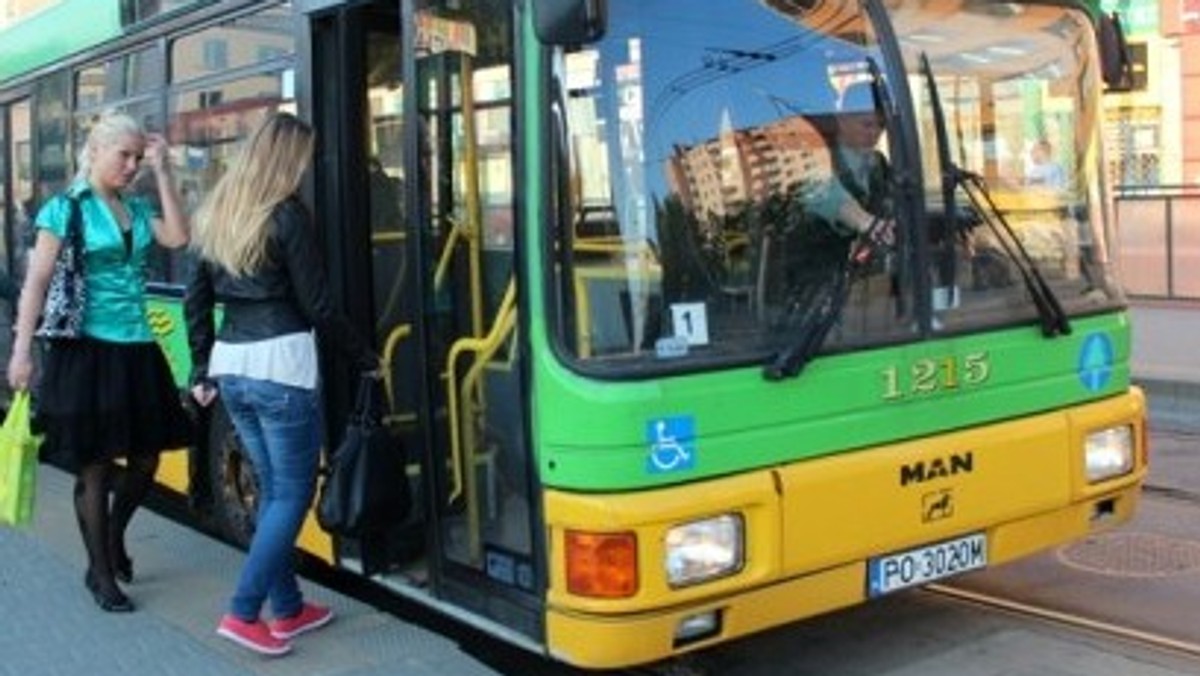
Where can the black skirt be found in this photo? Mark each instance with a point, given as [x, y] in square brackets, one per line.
[99, 400]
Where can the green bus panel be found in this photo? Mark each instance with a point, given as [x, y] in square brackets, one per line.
[170, 330]
[62, 29]
[627, 435]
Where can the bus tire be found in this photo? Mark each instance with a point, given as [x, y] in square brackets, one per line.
[235, 490]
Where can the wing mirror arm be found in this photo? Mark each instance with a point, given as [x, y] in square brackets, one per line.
[1116, 63]
[570, 22]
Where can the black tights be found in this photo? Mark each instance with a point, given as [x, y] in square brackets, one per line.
[103, 525]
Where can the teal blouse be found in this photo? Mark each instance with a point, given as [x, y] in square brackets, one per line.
[116, 302]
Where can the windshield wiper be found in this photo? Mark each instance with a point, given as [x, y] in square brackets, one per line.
[813, 311]
[1050, 312]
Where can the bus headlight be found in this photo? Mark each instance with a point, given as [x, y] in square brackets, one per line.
[1108, 453]
[703, 550]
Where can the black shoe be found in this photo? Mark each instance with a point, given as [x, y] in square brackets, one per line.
[113, 601]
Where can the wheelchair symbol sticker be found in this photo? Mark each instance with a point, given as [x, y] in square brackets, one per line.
[671, 444]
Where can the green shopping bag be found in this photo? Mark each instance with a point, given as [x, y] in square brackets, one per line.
[18, 464]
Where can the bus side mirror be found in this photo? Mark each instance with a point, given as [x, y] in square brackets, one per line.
[570, 22]
[1116, 64]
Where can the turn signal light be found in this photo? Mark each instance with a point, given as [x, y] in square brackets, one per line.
[601, 565]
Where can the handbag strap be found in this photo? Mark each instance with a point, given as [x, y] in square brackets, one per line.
[74, 232]
[366, 400]
[364, 413]
[17, 420]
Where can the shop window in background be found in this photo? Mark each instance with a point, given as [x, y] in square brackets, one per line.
[1139, 77]
[1132, 146]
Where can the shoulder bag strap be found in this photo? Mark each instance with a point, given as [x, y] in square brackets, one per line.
[74, 231]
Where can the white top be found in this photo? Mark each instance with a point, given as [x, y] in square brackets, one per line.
[290, 359]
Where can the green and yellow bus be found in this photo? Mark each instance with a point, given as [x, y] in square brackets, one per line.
[651, 396]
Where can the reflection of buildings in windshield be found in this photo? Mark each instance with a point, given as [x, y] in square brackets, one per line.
[743, 166]
[817, 13]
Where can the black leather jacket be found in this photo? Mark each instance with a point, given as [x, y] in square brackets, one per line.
[289, 293]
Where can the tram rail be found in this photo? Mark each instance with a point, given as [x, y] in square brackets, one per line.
[1145, 639]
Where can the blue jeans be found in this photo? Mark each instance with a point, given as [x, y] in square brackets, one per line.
[280, 428]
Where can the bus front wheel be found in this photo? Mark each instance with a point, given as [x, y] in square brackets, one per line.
[235, 490]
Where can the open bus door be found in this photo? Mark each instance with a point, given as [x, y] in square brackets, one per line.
[419, 179]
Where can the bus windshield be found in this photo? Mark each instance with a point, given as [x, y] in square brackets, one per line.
[1019, 93]
[729, 180]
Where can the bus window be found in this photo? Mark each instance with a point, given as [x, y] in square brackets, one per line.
[21, 180]
[117, 79]
[246, 42]
[130, 83]
[1018, 97]
[52, 97]
[136, 11]
[208, 120]
[7, 284]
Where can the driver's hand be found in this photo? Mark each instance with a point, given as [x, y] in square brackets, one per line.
[883, 233]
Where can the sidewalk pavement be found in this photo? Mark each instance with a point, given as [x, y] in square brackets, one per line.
[182, 581]
[1166, 363]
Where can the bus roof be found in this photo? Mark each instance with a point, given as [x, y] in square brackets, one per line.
[71, 26]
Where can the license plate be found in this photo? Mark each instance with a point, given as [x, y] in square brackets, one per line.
[925, 564]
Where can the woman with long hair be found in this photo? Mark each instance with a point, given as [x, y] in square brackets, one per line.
[109, 393]
[259, 258]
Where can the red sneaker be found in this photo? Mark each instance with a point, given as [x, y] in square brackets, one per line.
[253, 635]
[311, 616]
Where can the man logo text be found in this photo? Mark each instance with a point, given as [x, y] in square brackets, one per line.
[937, 468]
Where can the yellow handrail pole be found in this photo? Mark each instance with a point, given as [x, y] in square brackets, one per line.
[452, 404]
[473, 408]
[400, 332]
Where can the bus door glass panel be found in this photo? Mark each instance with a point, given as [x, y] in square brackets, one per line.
[464, 65]
[395, 305]
[1019, 88]
[706, 177]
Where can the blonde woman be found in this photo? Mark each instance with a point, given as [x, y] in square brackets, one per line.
[259, 258]
[108, 394]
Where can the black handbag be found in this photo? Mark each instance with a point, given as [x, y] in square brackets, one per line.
[365, 489]
[66, 295]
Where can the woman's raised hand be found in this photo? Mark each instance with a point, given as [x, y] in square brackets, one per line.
[157, 152]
